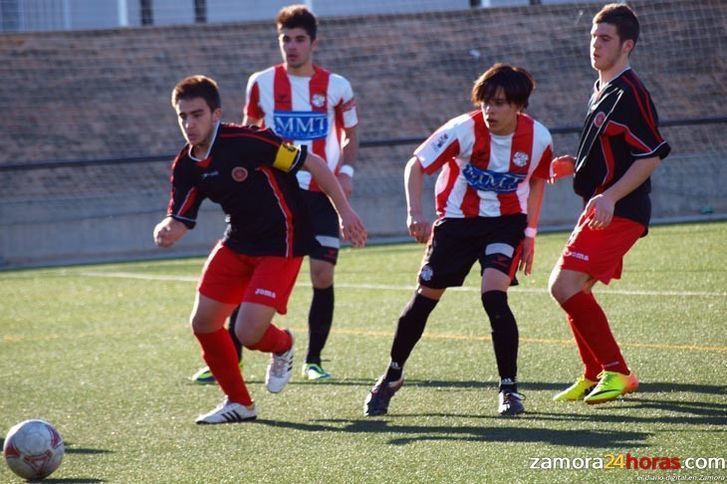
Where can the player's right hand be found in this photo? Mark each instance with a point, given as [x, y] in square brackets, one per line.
[168, 231]
[561, 167]
[419, 227]
[352, 228]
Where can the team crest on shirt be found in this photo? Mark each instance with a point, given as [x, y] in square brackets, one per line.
[599, 119]
[520, 159]
[239, 174]
[318, 100]
[426, 273]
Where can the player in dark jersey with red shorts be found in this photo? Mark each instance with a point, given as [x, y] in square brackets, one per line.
[620, 147]
[250, 173]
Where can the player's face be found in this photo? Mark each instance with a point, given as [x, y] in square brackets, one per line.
[296, 47]
[500, 115]
[607, 50]
[197, 120]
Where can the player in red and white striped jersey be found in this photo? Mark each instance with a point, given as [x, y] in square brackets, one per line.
[309, 106]
[494, 162]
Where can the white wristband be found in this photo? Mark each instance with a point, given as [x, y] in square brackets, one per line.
[346, 170]
[531, 232]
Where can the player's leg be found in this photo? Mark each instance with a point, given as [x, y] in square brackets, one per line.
[590, 256]
[447, 261]
[219, 292]
[267, 293]
[499, 260]
[323, 258]
[204, 375]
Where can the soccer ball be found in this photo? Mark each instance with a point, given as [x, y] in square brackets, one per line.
[33, 449]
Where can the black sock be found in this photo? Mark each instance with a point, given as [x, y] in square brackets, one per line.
[231, 329]
[320, 319]
[504, 336]
[409, 330]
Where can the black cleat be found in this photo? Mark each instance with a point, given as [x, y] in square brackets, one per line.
[510, 403]
[377, 401]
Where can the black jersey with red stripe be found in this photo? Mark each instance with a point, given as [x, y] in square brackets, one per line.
[621, 127]
[250, 173]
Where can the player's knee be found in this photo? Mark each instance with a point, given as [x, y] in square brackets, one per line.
[498, 311]
[321, 275]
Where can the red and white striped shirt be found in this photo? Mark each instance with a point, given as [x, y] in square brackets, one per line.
[310, 111]
[483, 174]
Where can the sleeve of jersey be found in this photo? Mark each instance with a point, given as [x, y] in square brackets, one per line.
[185, 199]
[438, 149]
[347, 105]
[543, 168]
[638, 116]
[252, 99]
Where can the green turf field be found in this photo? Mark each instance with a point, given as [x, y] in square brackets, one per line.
[104, 352]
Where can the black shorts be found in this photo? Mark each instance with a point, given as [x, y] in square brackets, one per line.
[324, 220]
[456, 244]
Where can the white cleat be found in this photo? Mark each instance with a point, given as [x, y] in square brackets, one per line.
[228, 412]
[280, 368]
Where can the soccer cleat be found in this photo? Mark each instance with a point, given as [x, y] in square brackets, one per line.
[510, 403]
[204, 375]
[377, 401]
[314, 372]
[577, 391]
[611, 386]
[228, 412]
[280, 369]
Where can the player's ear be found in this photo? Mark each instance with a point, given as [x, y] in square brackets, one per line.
[627, 46]
[217, 114]
[314, 44]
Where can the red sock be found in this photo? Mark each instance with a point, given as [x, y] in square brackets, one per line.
[591, 323]
[219, 353]
[275, 340]
[592, 368]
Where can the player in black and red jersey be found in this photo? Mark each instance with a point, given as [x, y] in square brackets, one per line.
[620, 147]
[250, 173]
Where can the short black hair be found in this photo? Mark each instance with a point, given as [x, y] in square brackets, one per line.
[516, 82]
[197, 86]
[622, 17]
[294, 16]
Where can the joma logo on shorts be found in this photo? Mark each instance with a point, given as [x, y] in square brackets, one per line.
[265, 292]
[576, 255]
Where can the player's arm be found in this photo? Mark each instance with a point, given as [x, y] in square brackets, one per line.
[601, 206]
[419, 227]
[535, 202]
[350, 154]
[168, 231]
[352, 227]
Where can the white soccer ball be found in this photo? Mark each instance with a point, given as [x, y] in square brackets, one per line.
[33, 449]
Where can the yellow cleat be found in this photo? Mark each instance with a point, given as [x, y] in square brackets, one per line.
[577, 391]
[611, 386]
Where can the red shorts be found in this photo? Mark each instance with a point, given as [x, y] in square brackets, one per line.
[232, 278]
[599, 253]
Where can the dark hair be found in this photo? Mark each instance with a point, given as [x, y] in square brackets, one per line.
[516, 82]
[294, 16]
[622, 17]
[197, 86]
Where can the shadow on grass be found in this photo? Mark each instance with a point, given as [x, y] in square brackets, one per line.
[407, 434]
[649, 387]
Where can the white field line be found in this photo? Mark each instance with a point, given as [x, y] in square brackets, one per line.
[393, 287]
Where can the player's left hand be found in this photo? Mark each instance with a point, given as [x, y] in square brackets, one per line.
[599, 210]
[346, 184]
[353, 229]
[561, 167]
[526, 260]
